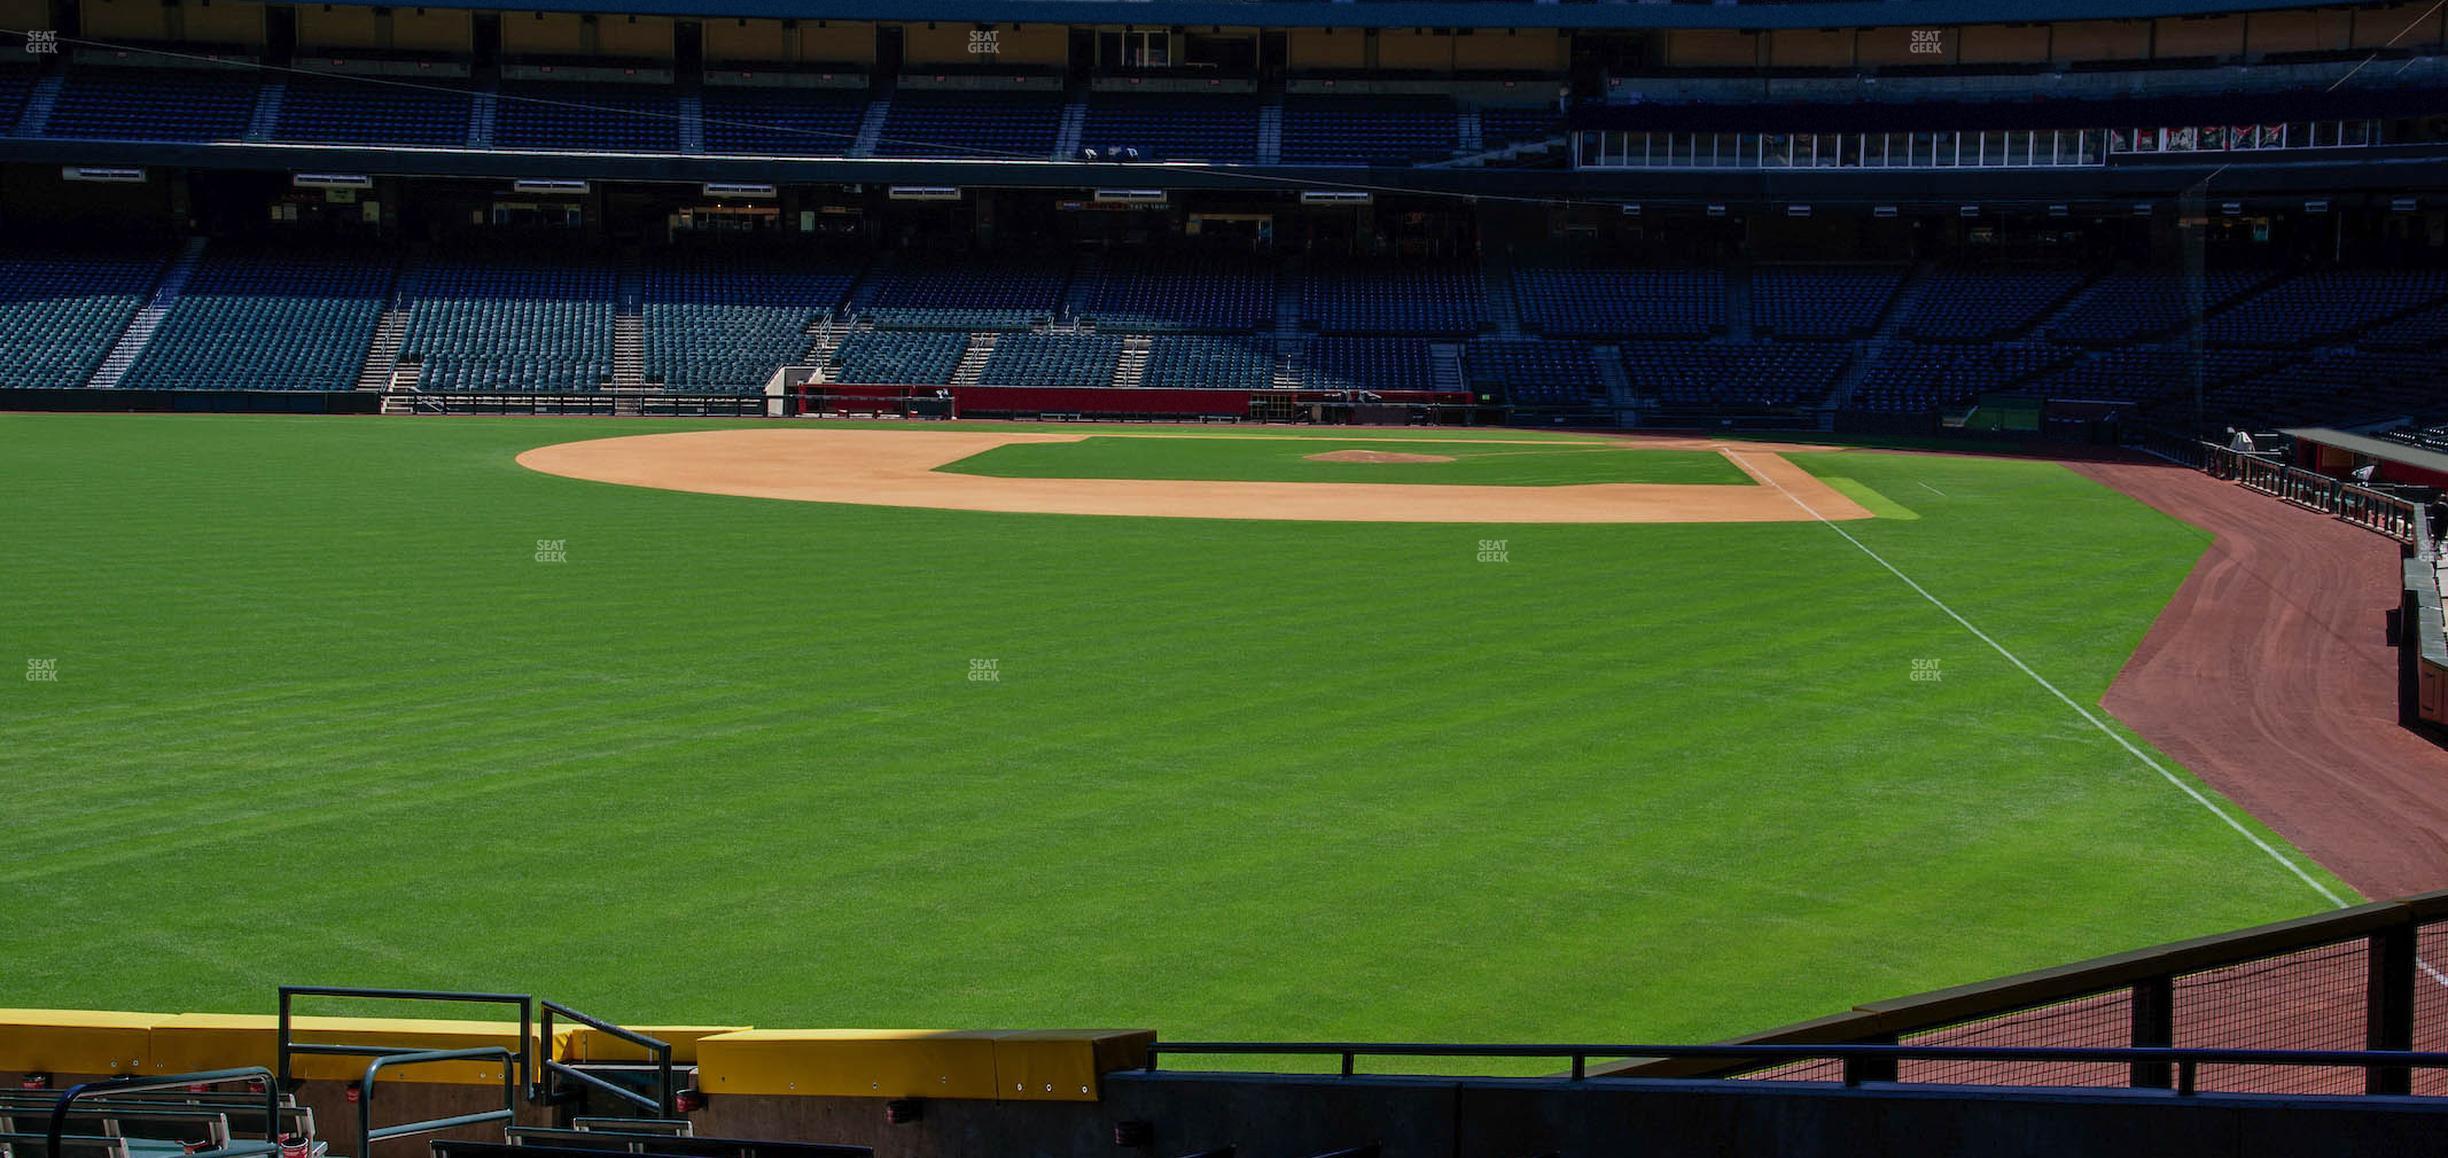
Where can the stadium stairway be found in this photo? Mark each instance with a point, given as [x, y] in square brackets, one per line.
[692, 123]
[871, 127]
[147, 320]
[381, 363]
[824, 333]
[1130, 370]
[973, 357]
[1738, 301]
[1087, 276]
[629, 324]
[1471, 131]
[1617, 379]
[1270, 133]
[1901, 308]
[1445, 367]
[1074, 126]
[380, 367]
[1503, 308]
[40, 100]
[268, 99]
[482, 112]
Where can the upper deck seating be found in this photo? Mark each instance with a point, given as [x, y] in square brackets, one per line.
[1335, 130]
[590, 117]
[1221, 129]
[154, 104]
[981, 125]
[368, 112]
[791, 122]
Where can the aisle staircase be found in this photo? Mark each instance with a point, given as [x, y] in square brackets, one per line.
[1074, 127]
[973, 357]
[140, 329]
[1131, 369]
[268, 100]
[1270, 134]
[40, 100]
[871, 127]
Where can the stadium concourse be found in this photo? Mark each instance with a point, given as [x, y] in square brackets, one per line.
[1773, 320]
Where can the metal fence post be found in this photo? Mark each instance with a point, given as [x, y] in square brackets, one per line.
[1871, 1069]
[2154, 1025]
[2388, 1006]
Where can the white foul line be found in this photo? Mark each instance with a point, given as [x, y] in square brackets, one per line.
[1924, 486]
[2065, 699]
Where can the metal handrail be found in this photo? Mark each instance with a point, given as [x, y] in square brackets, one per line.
[289, 1047]
[130, 1084]
[662, 1105]
[367, 1135]
[2186, 1060]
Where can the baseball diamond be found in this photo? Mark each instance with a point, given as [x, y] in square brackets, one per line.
[1418, 579]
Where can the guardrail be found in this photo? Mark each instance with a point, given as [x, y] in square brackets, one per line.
[290, 1046]
[662, 1105]
[2351, 976]
[127, 1084]
[2267, 472]
[2187, 1063]
[367, 1134]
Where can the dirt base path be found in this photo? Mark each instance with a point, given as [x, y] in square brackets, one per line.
[2269, 675]
[896, 468]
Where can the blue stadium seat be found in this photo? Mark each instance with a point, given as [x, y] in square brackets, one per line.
[373, 112]
[1368, 364]
[63, 308]
[154, 104]
[279, 315]
[1394, 297]
[593, 117]
[1613, 302]
[1031, 359]
[1333, 130]
[1203, 362]
[724, 318]
[897, 357]
[1533, 372]
[1174, 126]
[504, 322]
[790, 122]
[1212, 291]
[991, 125]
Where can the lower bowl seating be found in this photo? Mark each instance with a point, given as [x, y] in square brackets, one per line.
[897, 357]
[63, 308]
[323, 303]
[1052, 360]
[1200, 362]
[511, 324]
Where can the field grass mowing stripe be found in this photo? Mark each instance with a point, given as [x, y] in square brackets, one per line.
[2067, 700]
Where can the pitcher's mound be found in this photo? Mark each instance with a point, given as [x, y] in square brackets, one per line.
[1375, 456]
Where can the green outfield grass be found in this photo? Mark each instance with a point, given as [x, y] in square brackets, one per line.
[321, 715]
[1245, 459]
